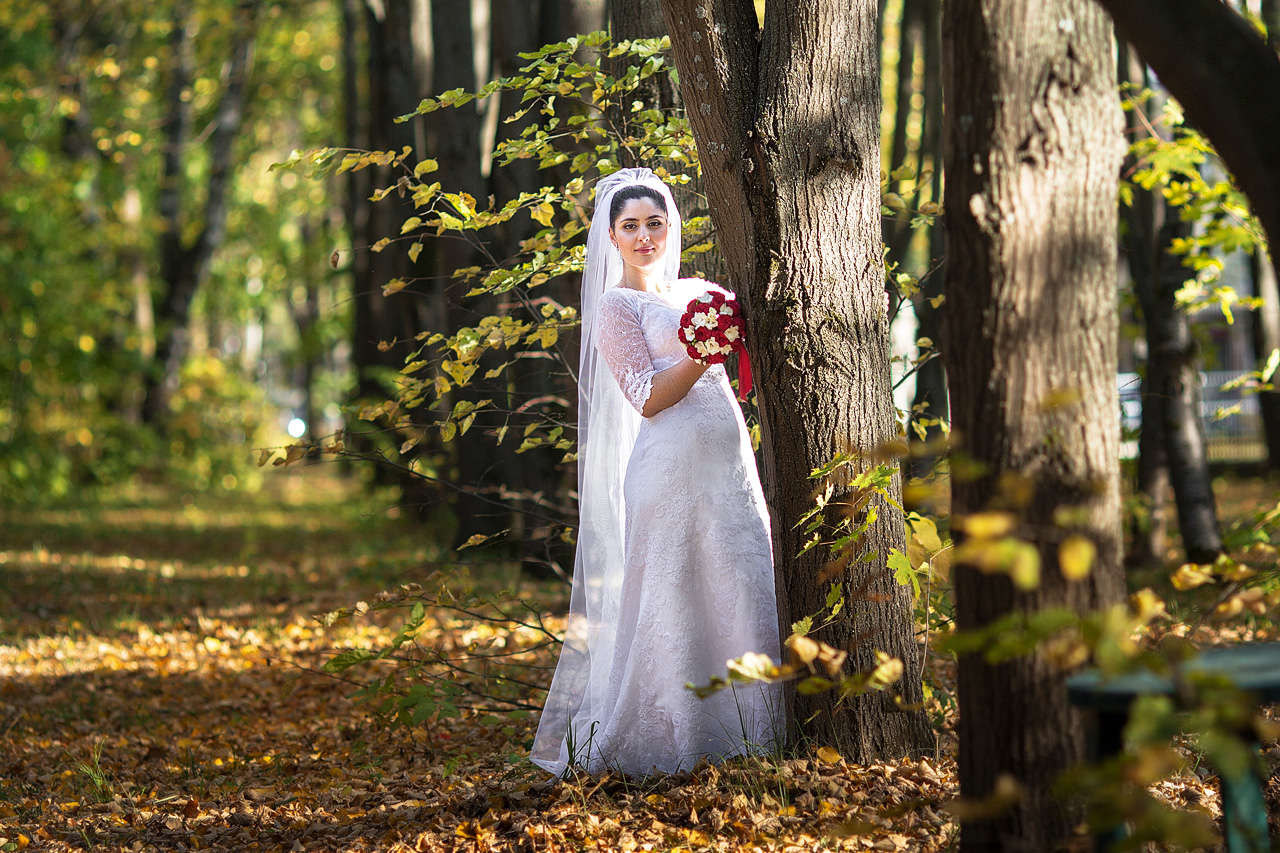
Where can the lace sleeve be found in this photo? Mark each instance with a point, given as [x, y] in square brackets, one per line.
[621, 342]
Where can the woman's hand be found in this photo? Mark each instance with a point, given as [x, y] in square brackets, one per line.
[671, 385]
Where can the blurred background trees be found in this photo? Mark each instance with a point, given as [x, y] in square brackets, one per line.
[168, 303]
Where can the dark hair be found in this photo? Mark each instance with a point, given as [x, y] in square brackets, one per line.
[631, 193]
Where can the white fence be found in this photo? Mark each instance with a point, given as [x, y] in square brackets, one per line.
[1232, 419]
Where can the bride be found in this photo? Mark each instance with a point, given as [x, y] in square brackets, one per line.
[674, 571]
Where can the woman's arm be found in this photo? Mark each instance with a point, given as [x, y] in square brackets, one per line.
[671, 385]
[622, 344]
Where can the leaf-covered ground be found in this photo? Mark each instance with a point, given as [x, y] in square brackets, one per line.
[159, 691]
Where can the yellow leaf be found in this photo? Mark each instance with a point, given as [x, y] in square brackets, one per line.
[1189, 576]
[425, 167]
[394, 286]
[828, 755]
[803, 649]
[1025, 569]
[989, 525]
[414, 251]
[1146, 605]
[543, 213]
[888, 671]
[754, 666]
[1075, 557]
[926, 533]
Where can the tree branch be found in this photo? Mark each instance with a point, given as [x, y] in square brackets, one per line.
[1226, 78]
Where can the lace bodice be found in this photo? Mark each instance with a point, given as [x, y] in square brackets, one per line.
[638, 335]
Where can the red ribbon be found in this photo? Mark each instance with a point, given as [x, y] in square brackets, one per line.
[744, 374]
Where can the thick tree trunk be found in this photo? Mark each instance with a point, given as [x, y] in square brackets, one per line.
[787, 123]
[1226, 78]
[183, 265]
[1032, 151]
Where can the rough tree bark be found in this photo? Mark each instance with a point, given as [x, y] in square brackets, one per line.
[183, 264]
[786, 119]
[1033, 149]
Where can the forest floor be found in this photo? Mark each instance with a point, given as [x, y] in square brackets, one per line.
[160, 691]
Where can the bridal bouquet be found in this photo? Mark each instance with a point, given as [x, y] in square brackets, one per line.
[711, 328]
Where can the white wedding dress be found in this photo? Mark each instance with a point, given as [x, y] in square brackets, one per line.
[697, 587]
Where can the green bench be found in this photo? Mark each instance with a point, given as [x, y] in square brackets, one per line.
[1253, 668]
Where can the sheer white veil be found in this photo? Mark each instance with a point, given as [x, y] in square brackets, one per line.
[607, 428]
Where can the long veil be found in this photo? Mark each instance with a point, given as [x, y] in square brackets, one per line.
[607, 429]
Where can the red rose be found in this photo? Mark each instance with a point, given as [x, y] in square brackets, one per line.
[702, 333]
[723, 322]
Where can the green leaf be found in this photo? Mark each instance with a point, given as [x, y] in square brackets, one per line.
[346, 659]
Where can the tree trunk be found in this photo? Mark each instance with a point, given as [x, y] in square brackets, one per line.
[1226, 78]
[1151, 539]
[787, 119]
[897, 228]
[453, 138]
[1033, 148]
[183, 265]
[931, 379]
[1174, 376]
[1266, 339]
[1266, 320]
[1173, 450]
[386, 87]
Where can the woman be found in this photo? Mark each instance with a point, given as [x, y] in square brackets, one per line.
[674, 573]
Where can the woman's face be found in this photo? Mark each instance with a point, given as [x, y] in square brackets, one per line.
[640, 233]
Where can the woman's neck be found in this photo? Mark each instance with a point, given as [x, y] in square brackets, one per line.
[650, 280]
